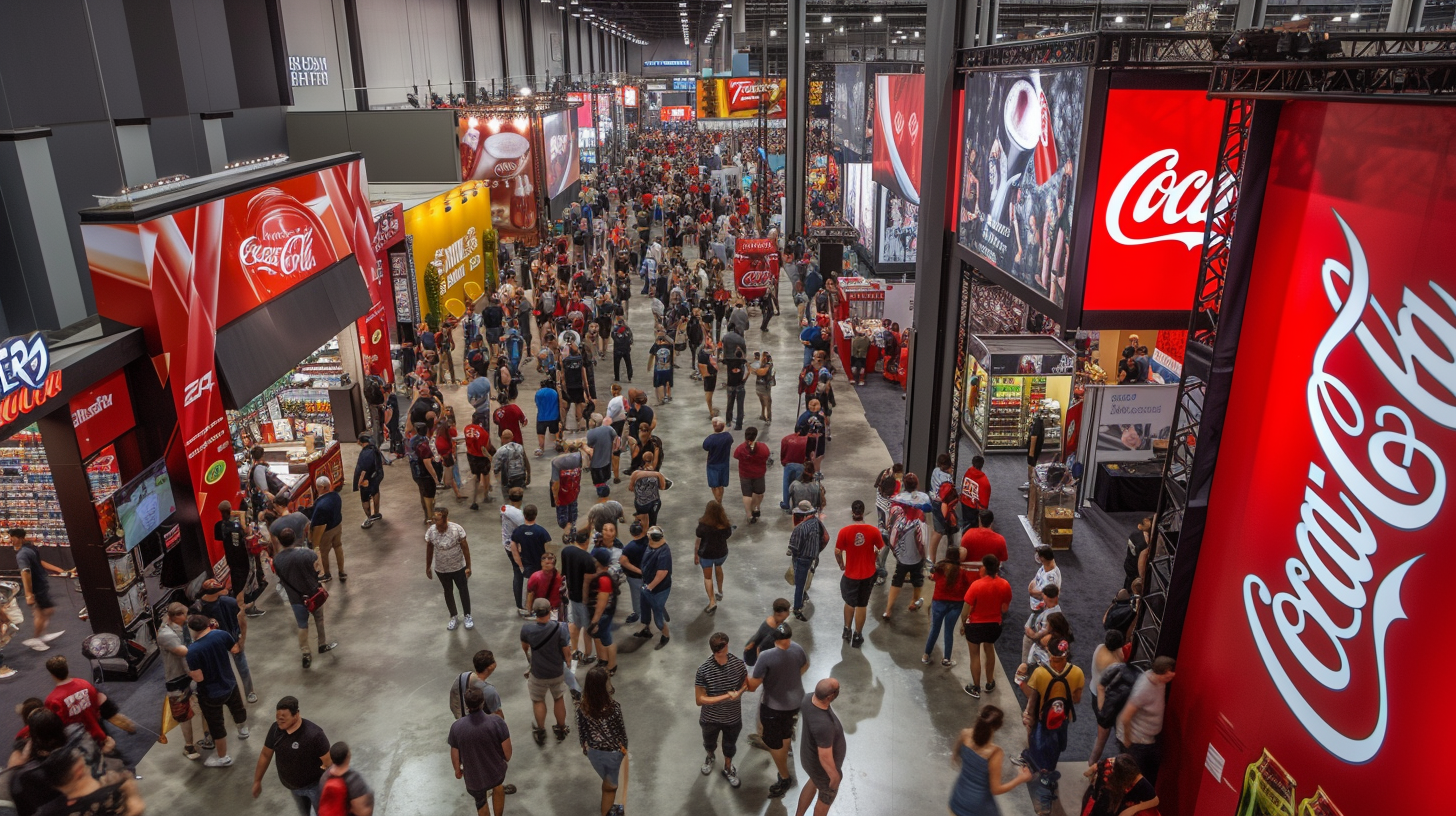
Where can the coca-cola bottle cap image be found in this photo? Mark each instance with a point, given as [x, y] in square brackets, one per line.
[284, 243]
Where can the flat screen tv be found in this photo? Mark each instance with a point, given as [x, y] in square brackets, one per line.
[144, 503]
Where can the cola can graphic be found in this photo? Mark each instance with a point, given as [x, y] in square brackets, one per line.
[1044, 160]
[286, 242]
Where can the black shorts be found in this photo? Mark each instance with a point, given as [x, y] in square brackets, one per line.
[981, 632]
[912, 571]
[479, 465]
[857, 362]
[601, 475]
[778, 726]
[620, 428]
[427, 487]
[856, 591]
[710, 383]
[43, 600]
[368, 492]
[575, 396]
[551, 426]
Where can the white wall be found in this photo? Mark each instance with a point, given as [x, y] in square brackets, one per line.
[408, 44]
[515, 40]
[315, 28]
[485, 37]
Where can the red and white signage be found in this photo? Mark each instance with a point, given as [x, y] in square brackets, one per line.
[101, 413]
[1320, 590]
[1154, 186]
[676, 113]
[627, 96]
[899, 115]
[755, 266]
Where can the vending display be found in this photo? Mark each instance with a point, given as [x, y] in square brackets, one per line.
[1268, 790]
[27, 491]
[294, 408]
[1009, 380]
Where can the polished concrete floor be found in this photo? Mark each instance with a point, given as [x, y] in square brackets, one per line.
[384, 690]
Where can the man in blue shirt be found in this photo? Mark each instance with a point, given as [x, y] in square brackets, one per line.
[809, 336]
[719, 445]
[227, 616]
[326, 527]
[548, 416]
[208, 666]
[528, 542]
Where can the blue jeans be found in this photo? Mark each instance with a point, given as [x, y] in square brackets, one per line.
[1043, 751]
[307, 799]
[656, 603]
[241, 659]
[792, 473]
[943, 613]
[634, 588]
[518, 582]
[801, 580]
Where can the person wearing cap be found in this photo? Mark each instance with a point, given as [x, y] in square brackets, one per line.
[1052, 691]
[779, 672]
[227, 615]
[631, 563]
[231, 531]
[601, 600]
[812, 424]
[907, 542]
[805, 543]
[656, 584]
[548, 649]
[172, 640]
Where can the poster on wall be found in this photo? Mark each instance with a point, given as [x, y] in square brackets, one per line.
[676, 113]
[181, 277]
[860, 200]
[1323, 565]
[497, 152]
[563, 168]
[1023, 132]
[447, 230]
[846, 128]
[899, 113]
[899, 225]
[1130, 418]
[584, 108]
[1154, 184]
[738, 98]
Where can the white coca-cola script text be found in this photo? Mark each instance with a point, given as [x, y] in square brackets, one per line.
[1180, 201]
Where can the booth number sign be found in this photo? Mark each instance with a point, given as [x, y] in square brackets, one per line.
[304, 71]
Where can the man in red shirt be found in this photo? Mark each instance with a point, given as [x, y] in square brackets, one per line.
[986, 603]
[76, 701]
[545, 583]
[975, 493]
[478, 452]
[856, 548]
[982, 541]
[792, 450]
[752, 457]
[510, 417]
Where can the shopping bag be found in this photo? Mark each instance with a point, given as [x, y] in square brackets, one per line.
[168, 721]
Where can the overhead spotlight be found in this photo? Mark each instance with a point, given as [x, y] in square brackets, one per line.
[899, 33]
[1296, 18]
[917, 34]
[1117, 19]
[999, 36]
[878, 18]
[1355, 16]
[525, 91]
[1167, 25]
[841, 29]
[1337, 19]
[827, 19]
[773, 32]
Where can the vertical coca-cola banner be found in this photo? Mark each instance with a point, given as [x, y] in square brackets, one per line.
[181, 277]
[900, 111]
[1319, 591]
[755, 266]
[1022, 136]
[1154, 182]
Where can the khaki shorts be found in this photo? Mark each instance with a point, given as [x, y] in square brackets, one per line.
[538, 689]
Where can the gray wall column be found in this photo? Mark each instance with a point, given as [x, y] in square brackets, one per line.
[928, 412]
[1250, 14]
[1405, 15]
[39, 287]
[134, 143]
[216, 143]
[798, 102]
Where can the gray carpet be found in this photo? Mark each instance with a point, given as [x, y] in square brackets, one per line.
[884, 407]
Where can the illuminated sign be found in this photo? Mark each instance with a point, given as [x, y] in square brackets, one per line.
[667, 64]
[24, 363]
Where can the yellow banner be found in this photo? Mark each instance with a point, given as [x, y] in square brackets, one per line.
[450, 229]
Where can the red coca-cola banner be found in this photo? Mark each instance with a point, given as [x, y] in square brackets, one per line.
[101, 413]
[755, 266]
[180, 277]
[1153, 189]
[1319, 594]
[676, 113]
[900, 111]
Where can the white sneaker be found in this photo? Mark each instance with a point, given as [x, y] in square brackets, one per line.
[452, 624]
[36, 644]
[52, 636]
[469, 622]
[243, 732]
[6, 672]
[218, 762]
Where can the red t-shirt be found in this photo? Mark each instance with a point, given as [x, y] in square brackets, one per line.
[752, 464]
[859, 543]
[986, 598]
[476, 437]
[511, 418]
[75, 701]
[975, 489]
[545, 586]
[948, 591]
[792, 448]
[979, 541]
[743, 206]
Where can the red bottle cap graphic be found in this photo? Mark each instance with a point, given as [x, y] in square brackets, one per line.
[286, 242]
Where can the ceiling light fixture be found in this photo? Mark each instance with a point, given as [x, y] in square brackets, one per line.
[878, 18]
[1167, 25]
[773, 32]
[1117, 19]
[1355, 16]
[827, 19]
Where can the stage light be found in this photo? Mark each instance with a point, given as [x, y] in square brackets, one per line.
[878, 18]
[827, 19]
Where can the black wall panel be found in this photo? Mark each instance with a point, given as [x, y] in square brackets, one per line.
[254, 60]
[47, 46]
[255, 132]
[179, 146]
[158, 67]
[86, 165]
[114, 53]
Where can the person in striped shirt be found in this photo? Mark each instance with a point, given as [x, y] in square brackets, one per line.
[719, 684]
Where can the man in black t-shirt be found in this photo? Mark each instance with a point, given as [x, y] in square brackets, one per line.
[230, 532]
[576, 564]
[736, 375]
[424, 404]
[1135, 560]
[573, 370]
[302, 751]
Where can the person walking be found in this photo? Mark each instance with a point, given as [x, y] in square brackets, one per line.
[753, 461]
[343, 790]
[483, 665]
[325, 528]
[1141, 722]
[603, 588]
[631, 563]
[511, 464]
[548, 649]
[719, 445]
[297, 569]
[577, 564]
[601, 445]
[621, 347]
[946, 601]
[1106, 662]
[793, 455]
[808, 488]
[303, 754]
[172, 640]
[478, 453]
[602, 733]
[821, 748]
[548, 417]
[855, 548]
[907, 541]
[717, 687]
[986, 601]
[779, 671]
[710, 550]
[1118, 788]
[227, 615]
[231, 531]
[980, 762]
[209, 667]
[368, 476]
[762, 369]
[33, 577]
[566, 484]
[1052, 692]
[735, 380]
[807, 540]
[707, 359]
[480, 751]
[656, 585]
[647, 484]
[447, 553]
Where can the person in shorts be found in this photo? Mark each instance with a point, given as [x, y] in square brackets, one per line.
[856, 548]
[822, 729]
[548, 650]
[172, 640]
[779, 670]
[480, 749]
[987, 600]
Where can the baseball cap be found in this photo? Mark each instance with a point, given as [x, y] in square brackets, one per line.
[540, 607]
[212, 585]
[603, 490]
[783, 632]
[804, 508]
[655, 533]
[602, 555]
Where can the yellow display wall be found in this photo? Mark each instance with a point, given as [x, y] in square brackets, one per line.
[451, 228]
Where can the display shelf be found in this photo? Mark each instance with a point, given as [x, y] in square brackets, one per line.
[27, 490]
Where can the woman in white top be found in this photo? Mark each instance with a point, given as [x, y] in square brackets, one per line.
[447, 555]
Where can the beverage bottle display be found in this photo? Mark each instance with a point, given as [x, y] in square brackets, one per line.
[469, 149]
[1268, 790]
[1318, 805]
[1045, 157]
[523, 203]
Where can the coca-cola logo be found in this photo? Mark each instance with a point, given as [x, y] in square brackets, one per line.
[1374, 469]
[755, 279]
[1153, 192]
[280, 248]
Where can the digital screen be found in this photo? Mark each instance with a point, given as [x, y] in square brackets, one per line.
[144, 503]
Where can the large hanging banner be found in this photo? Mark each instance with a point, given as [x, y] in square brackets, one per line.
[448, 231]
[497, 151]
[755, 266]
[183, 276]
[900, 109]
[738, 98]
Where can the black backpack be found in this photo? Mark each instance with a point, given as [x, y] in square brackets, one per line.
[374, 389]
[1053, 707]
[1117, 683]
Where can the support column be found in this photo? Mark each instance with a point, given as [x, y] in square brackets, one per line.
[356, 54]
[929, 414]
[40, 287]
[530, 41]
[798, 120]
[467, 50]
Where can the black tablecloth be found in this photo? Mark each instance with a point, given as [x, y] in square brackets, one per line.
[1120, 490]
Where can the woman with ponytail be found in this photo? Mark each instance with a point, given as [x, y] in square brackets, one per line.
[980, 762]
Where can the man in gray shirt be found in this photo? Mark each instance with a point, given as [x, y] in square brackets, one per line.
[296, 521]
[780, 672]
[732, 345]
[172, 640]
[822, 747]
[546, 645]
[1141, 719]
[601, 440]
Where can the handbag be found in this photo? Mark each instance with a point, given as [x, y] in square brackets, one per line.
[310, 602]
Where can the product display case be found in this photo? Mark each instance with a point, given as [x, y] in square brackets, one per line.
[294, 407]
[1009, 379]
[28, 493]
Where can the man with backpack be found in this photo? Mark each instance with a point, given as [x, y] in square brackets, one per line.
[368, 474]
[421, 458]
[548, 650]
[621, 348]
[511, 463]
[343, 791]
[1052, 693]
[603, 588]
[374, 396]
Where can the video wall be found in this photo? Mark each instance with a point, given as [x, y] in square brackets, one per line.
[563, 165]
[847, 126]
[899, 225]
[860, 201]
[1022, 137]
[898, 136]
[497, 151]
[738, 98]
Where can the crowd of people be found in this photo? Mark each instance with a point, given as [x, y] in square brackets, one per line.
[594, 564]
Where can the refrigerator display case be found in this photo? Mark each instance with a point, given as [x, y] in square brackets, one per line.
[1008, 380]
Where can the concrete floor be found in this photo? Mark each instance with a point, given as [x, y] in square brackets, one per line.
[384, 690]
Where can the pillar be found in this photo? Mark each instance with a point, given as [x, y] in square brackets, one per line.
[798, 120]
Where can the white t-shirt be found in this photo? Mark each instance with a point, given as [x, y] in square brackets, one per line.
[511, 518]
[1042, 579]
[1146, 722]
[449, 557]
[616, 410]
